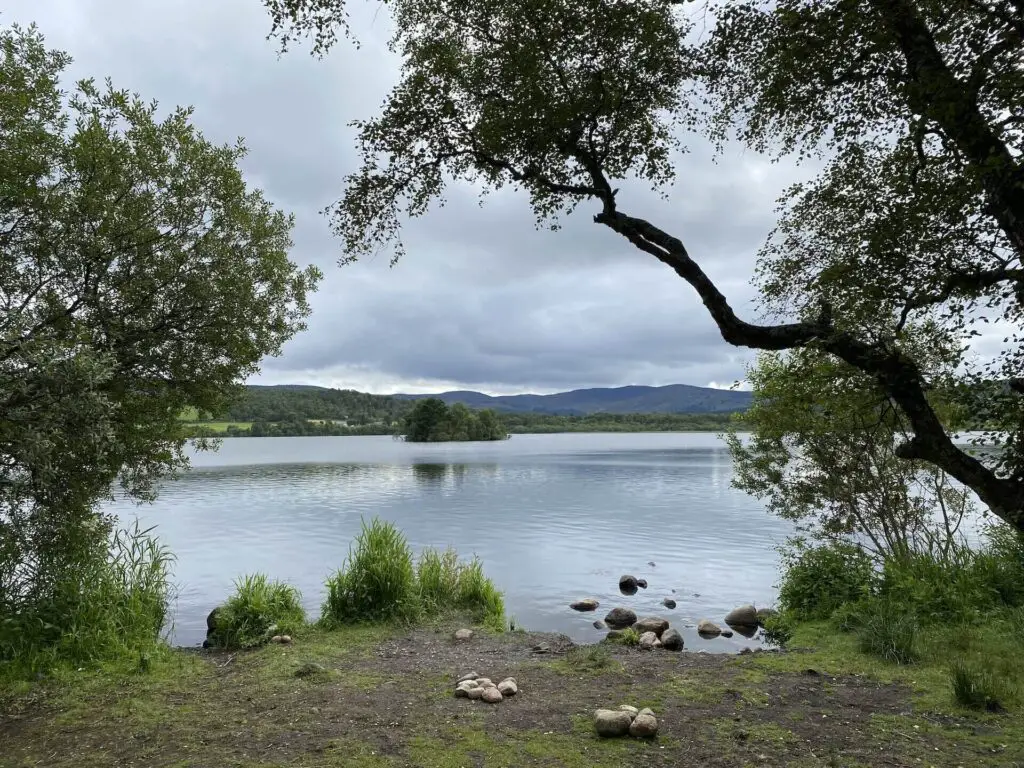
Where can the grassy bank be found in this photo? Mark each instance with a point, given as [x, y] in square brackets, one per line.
[381, 696]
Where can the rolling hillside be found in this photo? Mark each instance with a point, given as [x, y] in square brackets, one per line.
[675, 398]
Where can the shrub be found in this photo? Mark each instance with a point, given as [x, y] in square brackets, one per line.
[778, 629]
[380, 583]
[976, 687]
[109, 605]
[818, 580]
[259, 609]
[889, 633]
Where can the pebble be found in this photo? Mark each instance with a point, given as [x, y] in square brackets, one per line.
[463, 635]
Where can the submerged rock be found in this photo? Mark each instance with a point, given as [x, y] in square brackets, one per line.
[726, 633]
[743, 616]
[628, 585]
[642, 583]
[598, 624]
[745, 631]
[587, 604]
[611, 722]
[671, 640]
[651, 624]
[668, 602]
[620, 618]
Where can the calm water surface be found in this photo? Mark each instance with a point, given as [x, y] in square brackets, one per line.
[555, 518]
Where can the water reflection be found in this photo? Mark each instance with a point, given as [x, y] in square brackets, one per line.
[554, 518]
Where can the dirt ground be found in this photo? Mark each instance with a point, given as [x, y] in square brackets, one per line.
[386, 699]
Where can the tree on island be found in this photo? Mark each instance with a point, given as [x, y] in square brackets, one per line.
[140, 277]
[917, 219]
[432, 421]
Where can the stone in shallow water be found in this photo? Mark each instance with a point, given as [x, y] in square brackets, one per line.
[620, 618]
[628, 585]
[707, 628]
[651, 624]
[588, 604]
[668, 602]
[743, 616]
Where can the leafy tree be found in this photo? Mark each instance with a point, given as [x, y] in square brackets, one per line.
[919, 216]
[139, 276]
[822, 453]
[432, 421]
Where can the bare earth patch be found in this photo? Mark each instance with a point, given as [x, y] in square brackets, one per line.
[385, 698]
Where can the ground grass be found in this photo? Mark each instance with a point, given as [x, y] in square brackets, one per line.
[219, 426]
[383, 700]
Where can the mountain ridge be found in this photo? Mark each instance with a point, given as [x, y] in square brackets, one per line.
[672, 398]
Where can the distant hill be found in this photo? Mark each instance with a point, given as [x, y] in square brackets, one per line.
[674, 398]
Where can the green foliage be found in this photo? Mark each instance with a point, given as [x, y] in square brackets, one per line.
[259, 609]
[589, 658]
[890, 632]
[102, 608]
[819, 580]
[380, 582]
[432, 421]
[823, 453]
[140, 276]
[377, 581]
[976, 686]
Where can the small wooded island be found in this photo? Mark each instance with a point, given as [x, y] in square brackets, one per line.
[432, 421]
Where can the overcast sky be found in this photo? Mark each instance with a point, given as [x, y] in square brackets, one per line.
[483, 300]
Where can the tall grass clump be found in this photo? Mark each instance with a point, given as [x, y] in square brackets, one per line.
[259, 609]
[976, 686]
[106, 604]
[890, 633]
[381, 581]
[377, 581]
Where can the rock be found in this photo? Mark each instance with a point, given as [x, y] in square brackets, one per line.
[463, 689]
[651, 624]
[726, 633]
[462, 635]
[650, 563]
[475, 692]
[644, 726]
[211, 620]
[763, 614]
[541, 648]
[598, 624]
[628, 585]
[484, 681]
[668, 602]
[646, 711]
[647, 641]
[744, 616]
[587, 604]
[657, 643]
[612, 722]
[491, 695]
[671, 640]
[309, 669]
[633, 711]
[508, 687]
[745, 651]
[642, 583]
[286, 639]
[707, 628]
[469, 676]
[620, 618]
[614, 635]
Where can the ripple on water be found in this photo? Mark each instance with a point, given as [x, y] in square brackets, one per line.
[553, 517]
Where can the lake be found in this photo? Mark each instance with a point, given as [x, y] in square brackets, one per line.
[555, 518]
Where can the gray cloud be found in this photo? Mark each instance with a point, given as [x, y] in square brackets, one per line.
[483, 298]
